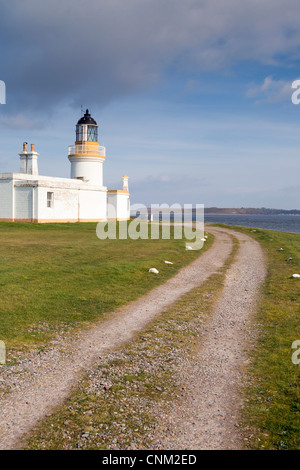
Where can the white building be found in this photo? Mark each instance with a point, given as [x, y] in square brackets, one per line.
[28, 197]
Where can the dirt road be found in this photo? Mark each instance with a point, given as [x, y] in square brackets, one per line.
[210, 415]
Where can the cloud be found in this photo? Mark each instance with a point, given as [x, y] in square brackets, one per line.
[69, 51]
[271, 91]
[19, 121]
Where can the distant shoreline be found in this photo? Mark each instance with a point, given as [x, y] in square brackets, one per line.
[229, 211]
[250, 211]
[287, 213]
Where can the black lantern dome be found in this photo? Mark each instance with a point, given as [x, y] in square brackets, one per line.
[87, 128]
[87, 119]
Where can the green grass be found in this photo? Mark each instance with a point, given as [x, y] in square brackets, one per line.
[57, 276]
[271, 416]
[272, 410]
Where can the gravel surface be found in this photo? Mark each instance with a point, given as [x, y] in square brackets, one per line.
[208, 420]
[41, 382]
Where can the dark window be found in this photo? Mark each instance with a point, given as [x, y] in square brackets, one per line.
[50, 199]
[92, 134]
[79, 136]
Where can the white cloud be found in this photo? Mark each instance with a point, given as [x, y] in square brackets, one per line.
[19, 121]
[271, 91]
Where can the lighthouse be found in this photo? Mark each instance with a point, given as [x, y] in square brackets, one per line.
[87, 156]
[28, 196]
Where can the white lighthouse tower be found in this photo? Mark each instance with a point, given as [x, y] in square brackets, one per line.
[87, 156]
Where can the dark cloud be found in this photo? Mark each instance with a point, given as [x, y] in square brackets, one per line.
[70, 51]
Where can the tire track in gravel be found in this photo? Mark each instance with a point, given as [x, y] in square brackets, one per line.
[208, 419]
[45, 380]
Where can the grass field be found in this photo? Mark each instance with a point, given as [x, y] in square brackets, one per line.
[271, 415]
[111, 273]
[57, 276]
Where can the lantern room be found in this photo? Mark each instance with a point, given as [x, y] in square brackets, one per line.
[86, 129]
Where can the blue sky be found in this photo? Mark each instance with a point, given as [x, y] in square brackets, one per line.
[192, 98]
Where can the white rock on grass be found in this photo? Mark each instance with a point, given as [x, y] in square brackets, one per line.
[153, 270]
[295, 275]
[168, 262]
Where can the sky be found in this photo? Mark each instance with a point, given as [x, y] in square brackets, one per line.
[192, 97]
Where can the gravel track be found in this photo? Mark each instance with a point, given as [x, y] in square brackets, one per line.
[208, 420]
[43, 381]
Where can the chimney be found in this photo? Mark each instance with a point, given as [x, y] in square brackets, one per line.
[23, 159]
[125, 183]
[28, 160]
[32, 165]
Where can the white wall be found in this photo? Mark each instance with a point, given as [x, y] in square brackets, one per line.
[72, 204]
[112, 205]
[6, 199]
[65, 204]
[118, 205]
[23, 202]
[123, 209]
[92, 204]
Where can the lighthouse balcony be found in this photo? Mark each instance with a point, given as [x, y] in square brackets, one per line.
[86, 149]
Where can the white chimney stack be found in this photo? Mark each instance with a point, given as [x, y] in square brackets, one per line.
[125, 183]
[28, 161]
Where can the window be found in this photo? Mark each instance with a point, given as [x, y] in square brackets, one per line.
[92, 134]
[79, 133]
[50, 199]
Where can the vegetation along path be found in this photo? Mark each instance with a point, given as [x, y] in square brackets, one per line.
[49, 377]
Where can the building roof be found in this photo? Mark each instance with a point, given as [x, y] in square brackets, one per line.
[87, 119]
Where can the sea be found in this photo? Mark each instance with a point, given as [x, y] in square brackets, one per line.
[283, 223]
